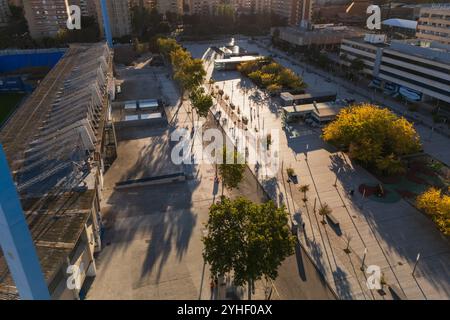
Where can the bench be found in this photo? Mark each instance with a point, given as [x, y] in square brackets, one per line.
[333, 219]
[397, 292]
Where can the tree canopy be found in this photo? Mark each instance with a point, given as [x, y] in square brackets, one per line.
[251, 240]
[267, 73]
[231, 173]
[188, 72]
[375, 137]
[201, 102]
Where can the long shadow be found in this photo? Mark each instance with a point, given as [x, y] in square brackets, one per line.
[161, 215]
[343, 286]
[306, 142]
[270, 185]
[300, 263]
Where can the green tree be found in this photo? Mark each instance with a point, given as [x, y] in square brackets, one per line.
[190, 75]
[251, 240]
[323, 61]
[324, 211]
[231, 173]
[201, 102]
[356, 66]
[304, 188]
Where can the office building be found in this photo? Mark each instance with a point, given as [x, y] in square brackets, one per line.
[415, 69]
[368, 50]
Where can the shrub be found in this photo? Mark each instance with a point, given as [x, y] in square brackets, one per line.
[436, 204]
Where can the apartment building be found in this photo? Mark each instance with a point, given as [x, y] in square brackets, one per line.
[119, 17]
[297, 12]
[289, 9]
[46, 18]
[4, 12]
[434, 23]
[200, 7]
[262, 6]
[174, 6]
[149, 4]
[415, 69]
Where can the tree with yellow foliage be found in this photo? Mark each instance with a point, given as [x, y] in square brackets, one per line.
[166, 46]
[374, 136]
[437, 205]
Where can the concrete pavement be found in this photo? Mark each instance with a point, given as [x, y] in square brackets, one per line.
[393, 234]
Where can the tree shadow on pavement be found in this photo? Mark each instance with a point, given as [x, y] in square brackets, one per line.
[342, 285]
[300, 263]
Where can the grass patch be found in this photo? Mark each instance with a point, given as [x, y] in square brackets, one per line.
[8, 102]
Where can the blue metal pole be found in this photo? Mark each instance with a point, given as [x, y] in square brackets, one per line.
[106, 23]
[16, 242]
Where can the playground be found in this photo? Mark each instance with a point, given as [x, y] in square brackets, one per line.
[420, 175]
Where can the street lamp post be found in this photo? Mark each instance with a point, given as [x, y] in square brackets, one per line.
[415, 264]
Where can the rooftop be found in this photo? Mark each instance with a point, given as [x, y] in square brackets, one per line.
[49, 144]
[323, 109]
[54, 132]
[55, 226]
[239, 59]
[400, 23]
[424, 49]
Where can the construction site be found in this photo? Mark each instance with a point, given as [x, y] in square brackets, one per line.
[58, 145]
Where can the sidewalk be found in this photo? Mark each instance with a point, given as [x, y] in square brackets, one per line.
[393, 234]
